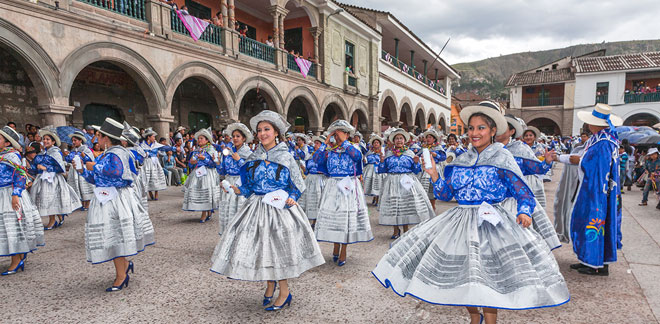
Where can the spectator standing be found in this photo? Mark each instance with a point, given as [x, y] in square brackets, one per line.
[652, 168]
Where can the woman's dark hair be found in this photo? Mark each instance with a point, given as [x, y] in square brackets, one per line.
[280, 137]
[112, 140]
[452, 136]
[489, 121]
[511, 127]
[51, 137]
[529, 130]
[240, 132]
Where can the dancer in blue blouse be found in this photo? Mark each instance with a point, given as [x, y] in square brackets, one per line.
[477, 254]
[373, 180]
[21, 230]
[453, 146]
[84, 189]
[535, 179]
[430, 140]
[403, 200]
[314, 181]
[117, 226]
[152, 172]
[202, 188]
[269, 238]
[132, 143]
[233, 160]
[50, 192]
[343, 217]
[596, 216]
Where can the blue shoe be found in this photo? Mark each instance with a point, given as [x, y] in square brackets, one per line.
[208, 218]
[130, 267]
[394, 237]
[55, 225]
[335, 257]
[341, 263]
[120, 287]
[287, 302]
[21, 266]
[481, 318]
[267, 300]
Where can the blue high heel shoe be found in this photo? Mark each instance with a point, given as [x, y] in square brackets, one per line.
[55, 225]
[335, 257]
[21, 266]
[341, 263]
[130, 267]
[394, 237]
[287, 302]
[481, 318]
[120, 287]
[267, 300]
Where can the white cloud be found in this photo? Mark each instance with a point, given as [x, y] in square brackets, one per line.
[487, 28]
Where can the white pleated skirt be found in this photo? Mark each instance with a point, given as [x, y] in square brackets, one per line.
[535, 184]
[310, 200]
[399, 206]
[19, 236]
[540, 222]
[56, 198]
[83, 189]
[372, 180]
[230, 203]
[153, 175]
[343, 218]
[202, 193]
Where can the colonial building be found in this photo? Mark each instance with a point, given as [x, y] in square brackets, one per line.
[550, 96]
[78, 61]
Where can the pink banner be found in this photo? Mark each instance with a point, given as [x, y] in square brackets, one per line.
[194, 25]
[304, 66]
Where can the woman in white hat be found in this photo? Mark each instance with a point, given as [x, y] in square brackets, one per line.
[80, 152]
[315, 179]
[535, 180]
[131, 141]
[50, 192]
[343, 216]
[230, 167]
[152, 172]
[117, 225]
[301, 150]
[372, 179]
[530, 166]
[431, 140]
[476, 253]
[596, 216]
[21, 230]
[403, 200]
[202, 188]
[269, 239]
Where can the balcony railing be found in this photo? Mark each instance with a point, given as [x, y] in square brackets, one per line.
[212, 34]
[251, 47]
[641, 97]
[352, 81]
[292, 65]
[601, 98]
[129, 8]
[543, 101]
[412, 72]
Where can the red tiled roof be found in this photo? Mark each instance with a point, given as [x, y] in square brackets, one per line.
[543, 77]
[617, 62]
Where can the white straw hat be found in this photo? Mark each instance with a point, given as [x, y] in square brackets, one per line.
[601, 115]
[490, 109]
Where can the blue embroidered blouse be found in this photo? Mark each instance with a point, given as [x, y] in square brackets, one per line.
[373, 158]
[229, 166]
[108, 172]
[74, 153]
[311, 166]
[153, 148]
[9, 176]
[207, 161]
[46, 160]
[399, 164]
[474, 185]
[345, 160]
[260, 178]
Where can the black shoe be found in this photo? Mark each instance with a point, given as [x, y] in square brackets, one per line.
[657, 206]
[595, 272]
[577, 266]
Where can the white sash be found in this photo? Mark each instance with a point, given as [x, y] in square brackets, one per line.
[200, 172]
[488, 213]
[48, 176]
[346, 185]
[406, 182]
[105, 194]
[276, 198]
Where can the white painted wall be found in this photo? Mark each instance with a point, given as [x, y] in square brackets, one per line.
[515, 97]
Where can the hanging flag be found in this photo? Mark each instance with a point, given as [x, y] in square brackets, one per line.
[304, 66]
[194, 25]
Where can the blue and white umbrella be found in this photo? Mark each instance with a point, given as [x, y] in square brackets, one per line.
[64, 131]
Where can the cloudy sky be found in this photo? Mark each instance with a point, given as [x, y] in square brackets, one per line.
[486, 28]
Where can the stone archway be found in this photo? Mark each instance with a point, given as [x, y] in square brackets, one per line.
[388, 111]
[642, 119]
[334, 107]
[263, 87]
[302, 109]
[432, 120]
[406, 116]
[359, 119]
[420, 118]
[546, 126]
[442, 123]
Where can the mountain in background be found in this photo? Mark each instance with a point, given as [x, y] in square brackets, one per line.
[488, 77]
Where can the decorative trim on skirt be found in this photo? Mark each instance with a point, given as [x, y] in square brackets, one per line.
[54, 198]
[399, 206]
[452, 260]
[310, 200]
[372, 180]
[540, 222]
[153, 175]
[119, 228]
[425, 180]
[17, 237]
[266, 243]
[230, 203]
[202, 193]
[83, 189]
[141, 191]
[343, 218]
[536, 185]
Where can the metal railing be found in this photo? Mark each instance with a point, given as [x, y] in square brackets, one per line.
[542, 101]
[352, 81]
[212, 34]
[405, 68]
[129, 8]
[601, 98]
[641, 97]
[291, 63]
[251, 47]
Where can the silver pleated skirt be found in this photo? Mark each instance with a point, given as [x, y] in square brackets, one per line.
[372, 180]
[266, 243]
[310, 200]
[153, 175]
[399, 206]
[425, 179]
[230, 203]
[540, 222]
[202, 193]
[17, 237]
[119, 228]
[55, 198]
[83, 189]
[141, 191]
[343, 218]
[452, 260]
[535, 183]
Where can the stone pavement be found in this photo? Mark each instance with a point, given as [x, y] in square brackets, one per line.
[172, 282]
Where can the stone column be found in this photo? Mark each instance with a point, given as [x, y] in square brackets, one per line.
[276, 25]
[316, 34]
[230, 11]
[161, 124]
[54, 114]
[223, 12]
[281, 29]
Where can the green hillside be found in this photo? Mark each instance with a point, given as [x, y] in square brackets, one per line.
[488, 77]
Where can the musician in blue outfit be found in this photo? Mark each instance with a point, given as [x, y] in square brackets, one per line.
[269, 239]
[596, 216]
[477, 254]
[117, 225]
[343, 217]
